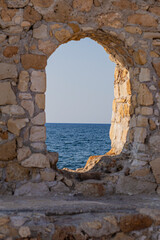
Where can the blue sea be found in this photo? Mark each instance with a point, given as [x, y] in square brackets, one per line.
[75, 143]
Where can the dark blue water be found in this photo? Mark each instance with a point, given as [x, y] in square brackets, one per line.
[75, 143]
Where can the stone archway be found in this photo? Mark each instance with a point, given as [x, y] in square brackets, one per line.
[32, 30]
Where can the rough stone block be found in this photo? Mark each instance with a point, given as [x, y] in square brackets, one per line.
[38, 80]
[15, 172]
[8, 71]
[37, 62]
[36, 160]
[40, 119]
[23, 81]
[15, 125]
[32, 189]
[38, 134]
[7, 95]
[8, 151]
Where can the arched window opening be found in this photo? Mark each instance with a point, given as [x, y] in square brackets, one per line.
[80, 79]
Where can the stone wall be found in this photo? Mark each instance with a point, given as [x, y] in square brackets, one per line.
[31, 30]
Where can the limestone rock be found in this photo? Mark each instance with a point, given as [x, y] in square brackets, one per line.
[41, 32]
[29, 106]
[142, 121]
[15, 125]
[38, 146]
[47, 47]
[40, 101]
[38, 134]
[140, 134]
[90, 188]
[144, 75]
[31, 15]
[145, 97]
[23, 153]
[36, 160]
[83, 5]
[140, 57]
[8, 151]
[38, 80]
[14, 172]
[155, 164]
[132, 186]
[23, 81]
[25, 96]
[135, 222]
[60, 188]
[122, 236]
[53, 159]
[40, 119]
[155, 10]
[17, 3]
[144, 20]
[12, 110]
[8, 71]
[146, 111]
[62, 35]
[133, 29]
[154, 142]
[2, 38]
[152, 125]
[4, 220]
[7, 95]
[10, 51]
[42, 3]
[32, 189]
[157, 67]
[24, 232]
[37, 62]
[48, 175]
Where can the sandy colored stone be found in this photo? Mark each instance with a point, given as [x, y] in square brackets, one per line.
[41, 32]
[157, 67]
[38, 146]
[140, 134]
[8, 71]
[47, 47]
[145, 97]
[24, 232]
[125, 4]
[42, 3]
[146, 111]
[155, 165]
[25, 96]
[37, 62]
[38, 134]
[23, 81]
[140, 57]
[29, 106]
[39, 119]
[151, 35]
[83, 5]
[15, 125]
[10, 51]
[144, 20]
[12, 110]
[142, 121]
[38, 81]
[152, 125]
[8, 151]
[90, 189]
[23, 153]
[31, 15]
[48, 175]
[135, 222]
[4, 220]
[40, 101]
[17, 3]
[2, 37]
[155, 10]
[7, 95]
[14, 39]
[144, 75]
[154, 142]
[7, 14]
[111, 19]
[62, 35]
[141, 173]
[32, 189]
[133, 29]
[122, 236]
[75, 27]
[14, 172]
[37, 160]
[25, 24]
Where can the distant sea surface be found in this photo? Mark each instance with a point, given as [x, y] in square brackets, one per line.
[75, 143]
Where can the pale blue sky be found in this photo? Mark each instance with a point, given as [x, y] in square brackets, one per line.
[80, 80]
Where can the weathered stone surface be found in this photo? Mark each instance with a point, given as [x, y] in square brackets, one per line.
[40, 119]
[40, 101]
[135, 222]
[82, 5]
[8, 71]
[10, 51]
[122, 236]
[8, 151]
[32, 189]
[157, 67]
[146, 111]
[23, 153]
[142, 121]
[7, 95]
[62, 35]
[133, 29]
[60, 187]
[53, 159]
[38, 134]
[152, 125]
[144, 75]
[145, 97]
[37, 62]
[38, 146]
[132, 186]
[111, 19]
[155, 164]
[17, 3]
[155, 10]
[31, 15]
[41, 32]
[14, 172]
[140, 134]
[125, 4]
[29, 106]
[145, 20]
[15, 125]
[24, 232]
[47, 47]
[38, 80]
[7, 14]
[48, 175]
[140, 57]
[90, 188]
[4, 220]
[2, 38]
[13, 110]
[154, 142]
[36, 160]
[23, 81]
